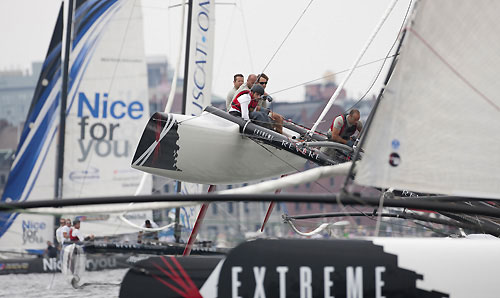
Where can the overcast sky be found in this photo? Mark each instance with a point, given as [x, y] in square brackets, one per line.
[329, 37]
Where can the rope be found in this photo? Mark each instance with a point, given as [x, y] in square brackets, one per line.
[144, 228]
[286, 37]
[341, 86]
[384, 59]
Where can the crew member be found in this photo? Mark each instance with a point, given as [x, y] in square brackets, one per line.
[251, 79]
[277, 119]
[59, 232]
[65, 231]
[246, 101]
[51, 250]
[344, 126]
[145, 235]
[237, 82]
[76, 235]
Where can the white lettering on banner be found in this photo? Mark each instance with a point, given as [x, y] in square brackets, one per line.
[51, 264]
[305, 282]
[54, 264]
[304, 151]
[282, 270]
[263, 134]
[354, 282]
[235, 282]
[327, 280]
[259, 274]
[379, 283]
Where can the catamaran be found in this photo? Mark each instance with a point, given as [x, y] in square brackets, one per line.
[412, 141]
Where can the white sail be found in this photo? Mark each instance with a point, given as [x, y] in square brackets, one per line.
[435, 129]
[107, 109]
[32, 174]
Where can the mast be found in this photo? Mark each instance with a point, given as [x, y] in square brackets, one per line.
[177, 230]
[62, 112]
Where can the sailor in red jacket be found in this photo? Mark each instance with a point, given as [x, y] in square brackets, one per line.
[75, 235]
[246, 101]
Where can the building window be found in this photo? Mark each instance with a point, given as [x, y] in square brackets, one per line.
[297, 206]
[166, 188]
[245, 206]
[214, 208]
[230, 207]
[332, 181]
[309, 207]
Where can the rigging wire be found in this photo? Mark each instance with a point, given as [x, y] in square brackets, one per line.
[222, 53]
[356, 62]
[368, 122]
[402, 216]
[384, 59]
[332, 75]
[286, 37]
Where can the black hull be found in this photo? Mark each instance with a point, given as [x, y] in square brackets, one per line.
[280, 268]
[277, 140]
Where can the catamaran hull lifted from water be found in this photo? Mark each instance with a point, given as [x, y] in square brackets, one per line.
[218, 148]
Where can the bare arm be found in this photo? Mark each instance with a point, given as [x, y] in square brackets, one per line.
[336, 136]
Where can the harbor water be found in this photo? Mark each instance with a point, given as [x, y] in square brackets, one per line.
[104, 283]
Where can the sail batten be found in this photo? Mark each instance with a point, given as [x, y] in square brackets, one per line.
[435, 127]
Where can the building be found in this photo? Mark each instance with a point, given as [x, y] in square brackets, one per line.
[16, 93]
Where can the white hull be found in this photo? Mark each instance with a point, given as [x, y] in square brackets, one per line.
[211, 150]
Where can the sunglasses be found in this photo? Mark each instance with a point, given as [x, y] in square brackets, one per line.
[263, 83]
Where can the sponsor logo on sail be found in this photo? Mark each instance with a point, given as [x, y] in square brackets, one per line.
[84, 176]
[201, 59]
[32, 230]
[99, 123]
[394, 159]
[395, 144]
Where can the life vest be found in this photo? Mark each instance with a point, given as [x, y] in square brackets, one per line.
[345, 131]
[235, 104]
[71, 237]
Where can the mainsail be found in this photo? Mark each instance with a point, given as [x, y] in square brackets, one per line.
[436, 124]
[32, 173]
[107, 108]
